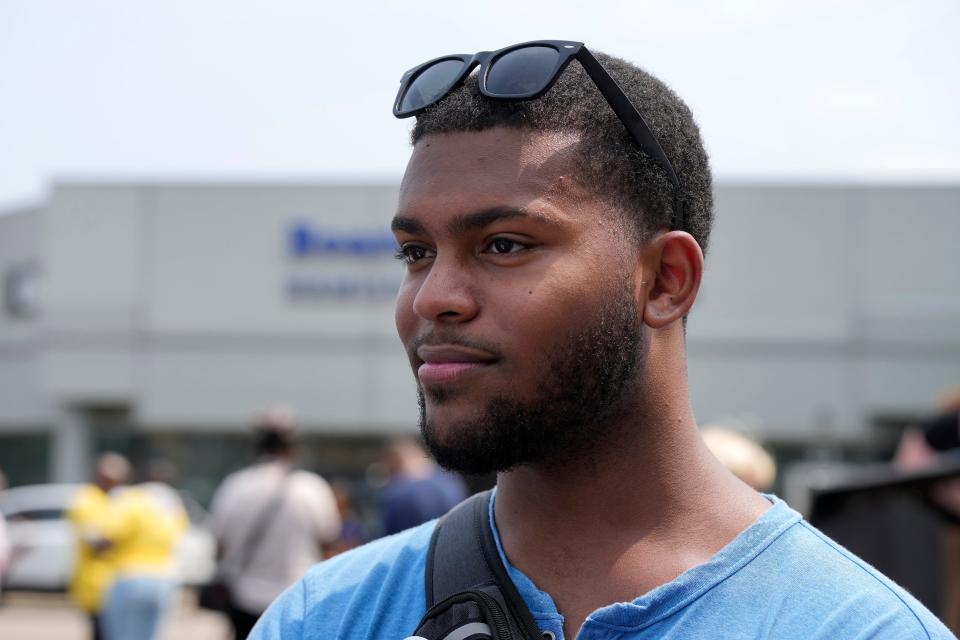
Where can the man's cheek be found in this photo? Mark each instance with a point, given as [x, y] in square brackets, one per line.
[404, 317]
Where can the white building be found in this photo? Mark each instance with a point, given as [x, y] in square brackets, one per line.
[163, 316]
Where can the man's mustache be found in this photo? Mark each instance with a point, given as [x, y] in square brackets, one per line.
[436, 338]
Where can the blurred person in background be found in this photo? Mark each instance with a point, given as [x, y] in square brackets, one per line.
[418, 489]
[353, 532]
[5, 548]
[271, 522]
[741, 456]
[146, 522]
[90, 514]
[925, 444]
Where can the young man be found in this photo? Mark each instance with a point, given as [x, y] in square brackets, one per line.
[553, 246]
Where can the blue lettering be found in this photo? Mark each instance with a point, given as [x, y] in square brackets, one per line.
[305, 241]
[342, 287]
[299, 240]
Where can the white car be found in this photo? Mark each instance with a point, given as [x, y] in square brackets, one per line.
[43, 539]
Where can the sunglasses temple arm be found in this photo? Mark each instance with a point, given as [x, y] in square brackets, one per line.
[626, 111]
[630, 117]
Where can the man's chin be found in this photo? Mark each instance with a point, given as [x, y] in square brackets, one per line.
[461, 440]
[463, 455]
[452, 445]
[449, 410]
[474, 448]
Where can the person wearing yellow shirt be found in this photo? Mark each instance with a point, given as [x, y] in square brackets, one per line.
[147, 522]
[89, 513]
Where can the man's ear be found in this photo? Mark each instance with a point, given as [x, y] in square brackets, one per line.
[674, 267]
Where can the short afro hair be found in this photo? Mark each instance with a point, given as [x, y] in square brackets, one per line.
[609, 162]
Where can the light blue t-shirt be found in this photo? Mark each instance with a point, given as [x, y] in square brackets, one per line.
[780, 578]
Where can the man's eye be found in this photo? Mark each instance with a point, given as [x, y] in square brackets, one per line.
[505, 245]
[408, 254]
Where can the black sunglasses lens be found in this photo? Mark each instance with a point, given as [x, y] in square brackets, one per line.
[522, 72]
[430, 84]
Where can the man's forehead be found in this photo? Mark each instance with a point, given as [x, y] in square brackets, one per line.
[498, 162]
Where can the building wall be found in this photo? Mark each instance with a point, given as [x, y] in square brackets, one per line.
[187, 308]
[23, 406]
[237, 339]
[823, 308]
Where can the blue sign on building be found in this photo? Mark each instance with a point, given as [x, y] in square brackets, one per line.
[313, 280]
[304, 240]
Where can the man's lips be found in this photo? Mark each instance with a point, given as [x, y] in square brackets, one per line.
[440, 364]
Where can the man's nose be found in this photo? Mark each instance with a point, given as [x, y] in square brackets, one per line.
[447, 293]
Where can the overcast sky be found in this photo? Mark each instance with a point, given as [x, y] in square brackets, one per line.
[836, 91]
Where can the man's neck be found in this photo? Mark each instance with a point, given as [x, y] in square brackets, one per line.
[634, 515]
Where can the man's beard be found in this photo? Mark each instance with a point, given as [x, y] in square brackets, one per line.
[582, 393]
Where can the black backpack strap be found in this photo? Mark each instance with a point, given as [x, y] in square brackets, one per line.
[463, 560]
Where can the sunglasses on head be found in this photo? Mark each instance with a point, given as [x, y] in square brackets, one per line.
[523, 72]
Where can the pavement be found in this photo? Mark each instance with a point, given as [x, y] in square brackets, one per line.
[43, 616]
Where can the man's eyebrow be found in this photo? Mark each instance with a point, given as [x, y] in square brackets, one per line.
[471, 221]
[407, 225]
[480, 219]
[486, 217]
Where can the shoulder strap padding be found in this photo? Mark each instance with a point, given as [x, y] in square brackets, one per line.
[463, 555]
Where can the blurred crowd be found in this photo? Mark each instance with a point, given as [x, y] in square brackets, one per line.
[272, 521]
